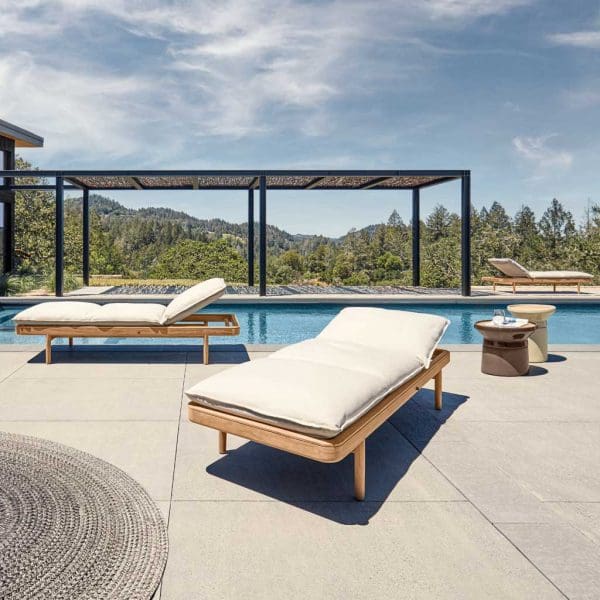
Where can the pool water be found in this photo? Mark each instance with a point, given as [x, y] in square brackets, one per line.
[289, 323]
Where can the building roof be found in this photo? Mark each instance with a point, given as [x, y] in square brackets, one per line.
[21, 137]
[244, 180]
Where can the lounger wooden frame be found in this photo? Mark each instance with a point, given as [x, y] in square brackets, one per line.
[200, 326]
[351, 440]
[554, 281]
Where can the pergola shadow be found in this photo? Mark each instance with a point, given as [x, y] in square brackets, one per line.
[326, 489]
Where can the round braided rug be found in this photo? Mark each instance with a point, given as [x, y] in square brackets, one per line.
[74, 526]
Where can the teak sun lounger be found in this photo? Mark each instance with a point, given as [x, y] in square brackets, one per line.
[322, 398]
[515, 274]
[66, 319]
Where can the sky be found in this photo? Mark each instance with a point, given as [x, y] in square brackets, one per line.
[509, 89]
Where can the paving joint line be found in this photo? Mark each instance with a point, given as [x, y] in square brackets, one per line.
[455, 486]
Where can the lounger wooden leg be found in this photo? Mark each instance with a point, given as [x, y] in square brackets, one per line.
[578, 288]
[438, 391]
[205, 349]
[70, 342]
[222, 442]
[554, 288]
[48, 349]
[514, 287]
[360, 460]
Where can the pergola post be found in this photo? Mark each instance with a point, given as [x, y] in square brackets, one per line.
[416, 238]
[262, 242]
[86, 237]
[465, 237]
[59, 237]
[8, 199]
[251, 238]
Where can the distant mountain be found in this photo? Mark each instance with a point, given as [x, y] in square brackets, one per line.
[111, 210]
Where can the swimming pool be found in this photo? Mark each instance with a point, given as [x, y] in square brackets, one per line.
[289, 323]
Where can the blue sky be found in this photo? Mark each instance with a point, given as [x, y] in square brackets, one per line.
[507, 88]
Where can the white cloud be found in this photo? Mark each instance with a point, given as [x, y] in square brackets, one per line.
[225, 68]
[537, 151]
[471, 9]
[75, 110]
[579, 39]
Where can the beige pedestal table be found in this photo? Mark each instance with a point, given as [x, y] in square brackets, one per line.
[539, 315]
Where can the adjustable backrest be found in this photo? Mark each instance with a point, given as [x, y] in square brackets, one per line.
[509, 267]
[188, 302]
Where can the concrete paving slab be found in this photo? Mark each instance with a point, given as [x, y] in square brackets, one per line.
[555, 461]
[500, 497]
[518, 400]
[583, 516]
[144, 450]
[12, 361]
[257, 550]
[250, 471]
[567, 557]
[108, 399]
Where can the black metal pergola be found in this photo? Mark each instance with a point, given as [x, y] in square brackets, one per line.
[249, 180]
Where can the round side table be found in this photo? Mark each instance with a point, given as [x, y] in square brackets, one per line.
[538, 314]
[504, 349]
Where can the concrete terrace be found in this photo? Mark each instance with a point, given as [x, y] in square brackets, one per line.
[497, 496]
[332, 294]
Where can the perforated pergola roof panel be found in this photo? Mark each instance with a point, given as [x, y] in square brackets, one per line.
[240, 180]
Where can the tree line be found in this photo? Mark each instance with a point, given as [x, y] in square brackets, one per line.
[160, 243]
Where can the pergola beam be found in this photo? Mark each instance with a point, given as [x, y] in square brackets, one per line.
[314, 183]
[374, 183]
[135, 182]
[76, 183]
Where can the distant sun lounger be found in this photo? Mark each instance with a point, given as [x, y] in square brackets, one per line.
[323, 397]
[515, 274]
[67, 319]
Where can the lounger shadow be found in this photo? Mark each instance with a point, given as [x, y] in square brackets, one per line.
[322, 488]
[147, 354]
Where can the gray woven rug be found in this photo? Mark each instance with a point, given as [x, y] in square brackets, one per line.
[73, 526]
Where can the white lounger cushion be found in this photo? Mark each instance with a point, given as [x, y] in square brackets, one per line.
[393, 331]
[88, 313]
[560, 275]
[510, 267]
[128, 313]
[194, 299]
[322, 386]
[49, 313]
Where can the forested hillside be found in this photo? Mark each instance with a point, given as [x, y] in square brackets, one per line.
[163, 243]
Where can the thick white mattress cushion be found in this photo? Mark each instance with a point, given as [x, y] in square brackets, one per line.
[560, 275]
[398, 332]
[321, 386]
[88, 313]
[188, 302]
[49, 313]
[301, 395]
[128, 313]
